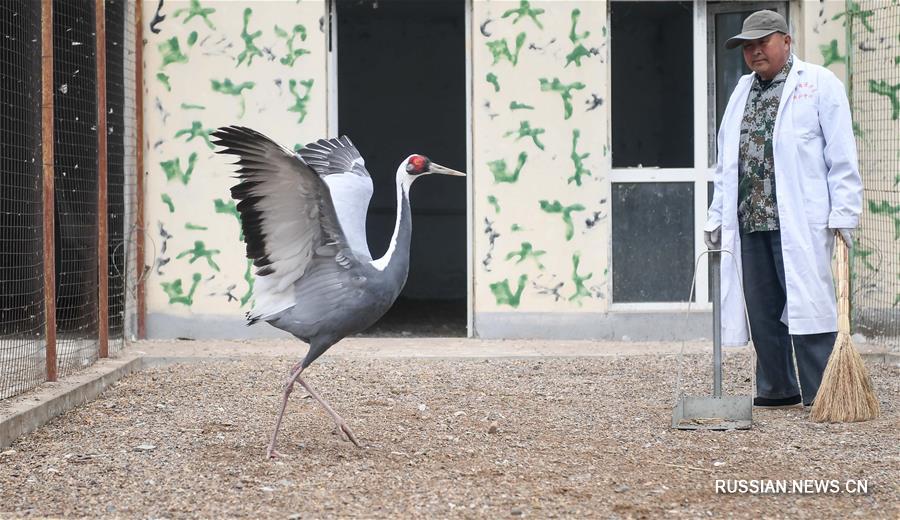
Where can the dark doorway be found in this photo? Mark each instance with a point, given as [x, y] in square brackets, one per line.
[401, 90]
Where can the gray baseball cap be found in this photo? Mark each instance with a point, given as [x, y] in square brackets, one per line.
[758, 25]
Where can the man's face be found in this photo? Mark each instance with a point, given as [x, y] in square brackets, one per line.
[767, 55]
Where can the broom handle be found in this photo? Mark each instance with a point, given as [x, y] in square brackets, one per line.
[843, 268]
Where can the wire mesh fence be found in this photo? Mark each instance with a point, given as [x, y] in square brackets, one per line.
[24, 344]
[121, 188]
[875, 97]
[21, 254]
[75, 164]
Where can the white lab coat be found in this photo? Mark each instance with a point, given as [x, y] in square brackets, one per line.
[817, 187]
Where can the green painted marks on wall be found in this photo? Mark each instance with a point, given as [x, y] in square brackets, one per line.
[175, 291]
[196, 130]
[501, 172]
[565, 92]
[526, 251]
[192, 38]
[566, 213]
[229, 208]
[194, 227]
[580, 51]
[250, 49]
[199, 251]
[831, 54]
[882, 88]
[195, 9]
[505, 296]
[577, 53]
[492, 79]
[228, 88]
[515, 228]
[577, 160]
[515, 105]
[172, 169]
[574, 37]
[524, 10]
[854, 11]
[300, 102]
[500, 49]
[580, 290]
[167, 200]
[886, 208]
[188, 106]
[492, 200]
[248, 277]
[170, 52]
[525, 130]
[164, 79]
[292, 54]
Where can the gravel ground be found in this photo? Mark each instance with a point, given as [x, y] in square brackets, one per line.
[553, 437]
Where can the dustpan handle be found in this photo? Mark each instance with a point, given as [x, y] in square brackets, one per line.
[717, 332]
[715, 267]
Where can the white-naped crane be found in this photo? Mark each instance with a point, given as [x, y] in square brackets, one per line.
[304, 222]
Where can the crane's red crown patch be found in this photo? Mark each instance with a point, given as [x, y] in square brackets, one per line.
[416, 164]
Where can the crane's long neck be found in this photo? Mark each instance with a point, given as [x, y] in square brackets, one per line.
[396, 260]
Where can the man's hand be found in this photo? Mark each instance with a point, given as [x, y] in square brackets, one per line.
[846, 235]
[713, 238]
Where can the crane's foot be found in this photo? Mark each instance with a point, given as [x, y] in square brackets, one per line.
[343, 429]
[271, 454]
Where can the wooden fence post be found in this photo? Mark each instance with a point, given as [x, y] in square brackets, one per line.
[139, 168]
[102, 183]
[47, 173]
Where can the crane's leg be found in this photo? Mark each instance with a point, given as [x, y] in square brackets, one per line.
[342, 425]
[294, 376]
[287, 388]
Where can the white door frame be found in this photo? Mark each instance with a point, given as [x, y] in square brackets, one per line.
[331, 125]
[470, 184]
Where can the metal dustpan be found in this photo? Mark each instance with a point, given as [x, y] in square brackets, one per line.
[716, 412]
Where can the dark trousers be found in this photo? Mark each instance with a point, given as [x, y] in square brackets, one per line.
[765, 293]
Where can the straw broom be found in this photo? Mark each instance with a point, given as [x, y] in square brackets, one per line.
[846, 393]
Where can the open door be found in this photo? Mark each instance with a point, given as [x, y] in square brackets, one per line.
[401, 89]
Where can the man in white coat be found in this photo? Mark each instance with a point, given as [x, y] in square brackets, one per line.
[786, 183]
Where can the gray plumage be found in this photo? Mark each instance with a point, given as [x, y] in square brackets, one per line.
[303, 219]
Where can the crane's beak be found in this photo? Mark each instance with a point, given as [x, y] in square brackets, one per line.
[437, 168]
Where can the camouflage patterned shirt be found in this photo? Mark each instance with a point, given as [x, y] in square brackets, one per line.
[757, 207]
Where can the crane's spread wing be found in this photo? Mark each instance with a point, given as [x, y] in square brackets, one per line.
[287, 216]
[340, 165]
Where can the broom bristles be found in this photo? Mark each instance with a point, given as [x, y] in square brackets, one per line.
[846, 393]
